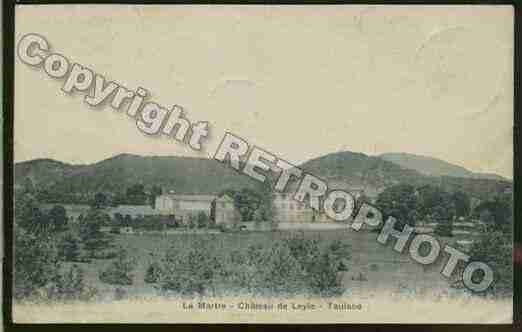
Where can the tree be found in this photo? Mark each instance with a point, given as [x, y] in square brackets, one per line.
[35, 262]
[436, 203]
[362, 199]
[90, 233]
[28, 215]
[69, 248]
[462, 203]
[499, 212]
[100, 201]
[118, 219]
[127, 221]
[258, 216]
[192, 221]
[486, 217]
[58, 218]
[247, 201]
[495, 248]
[155, 192]
[135, 194]
[119, 198]
[254, 203]
[28, 186]
[153, 273]
[202, 219]
[399, 201]
[119, 272]
[71, 285]
[267, 200]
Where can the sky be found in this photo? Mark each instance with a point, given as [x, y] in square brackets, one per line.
[298, 81]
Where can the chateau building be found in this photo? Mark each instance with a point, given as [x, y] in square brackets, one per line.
[184, 205]
[288, 210]
[221, 208]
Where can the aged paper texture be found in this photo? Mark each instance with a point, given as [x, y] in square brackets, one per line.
[268, 164]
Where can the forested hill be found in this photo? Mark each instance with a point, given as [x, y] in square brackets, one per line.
[374, 174]
[182, 174]
[197, 175]
[435, 167]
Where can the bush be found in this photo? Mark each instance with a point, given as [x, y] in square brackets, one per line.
[153, 273]
[191, 221]
[69, 248]
[342, 267]
[70, 285]
[290, 266]
[495, 248]
[119, 272]
[36, 263]
[189, 271]
[202, 220]
[120, 293]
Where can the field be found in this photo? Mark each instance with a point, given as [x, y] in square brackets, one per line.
[372, 267]
[393, 289]
[385, 285]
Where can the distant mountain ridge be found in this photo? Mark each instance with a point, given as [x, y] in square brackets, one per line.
[182, 174]
[342, 170]
[435, 167]
[351, 170]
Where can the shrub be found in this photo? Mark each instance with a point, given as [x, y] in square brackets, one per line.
[290, 266]
[189, 271]
[69, 248]
[153, 273]
[340, 250]
[495, 248]
[70, 285]
[202, 220]
[119, 293]
[35, 263]
[119, 272]
[342, 267]
[192, 221]
[90, 232]
[323, 276]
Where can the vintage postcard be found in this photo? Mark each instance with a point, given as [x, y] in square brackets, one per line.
[263, 164]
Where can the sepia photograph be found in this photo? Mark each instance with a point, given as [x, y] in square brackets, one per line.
[263, 164]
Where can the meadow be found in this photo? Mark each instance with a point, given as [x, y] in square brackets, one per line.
[371, 267]
[384, 285]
